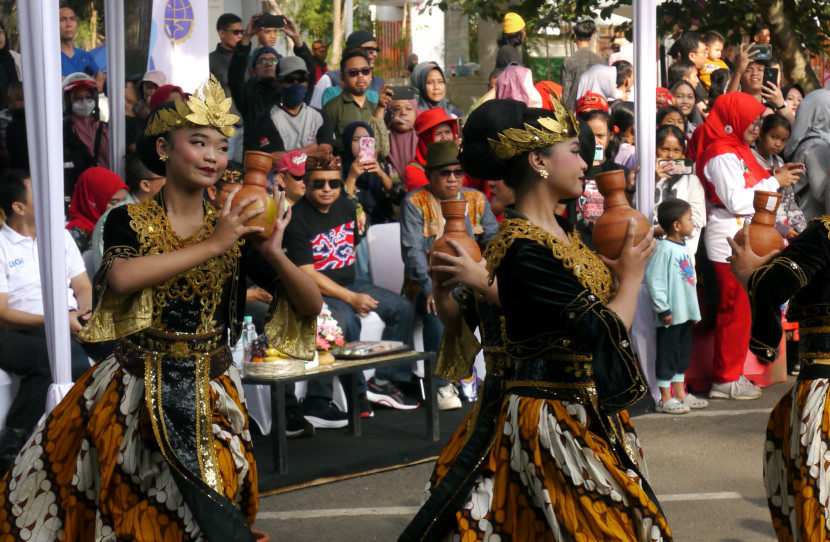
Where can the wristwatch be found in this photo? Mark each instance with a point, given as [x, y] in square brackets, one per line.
[782, 106]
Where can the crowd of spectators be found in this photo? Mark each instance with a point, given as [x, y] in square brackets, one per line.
[350, 153]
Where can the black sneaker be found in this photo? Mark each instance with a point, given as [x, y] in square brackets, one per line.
[324, 414]
[388, 395]
[296, 425]
[365, 406]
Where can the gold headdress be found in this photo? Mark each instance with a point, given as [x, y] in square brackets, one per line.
[514, 141]
[208, 106]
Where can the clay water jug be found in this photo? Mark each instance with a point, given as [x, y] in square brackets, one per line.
[257, 166]
[455, 229]
[611, 227]
[763, 237]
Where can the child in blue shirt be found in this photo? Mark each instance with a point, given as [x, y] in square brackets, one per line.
[670, 278]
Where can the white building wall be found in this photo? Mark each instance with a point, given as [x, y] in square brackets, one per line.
[428, 35]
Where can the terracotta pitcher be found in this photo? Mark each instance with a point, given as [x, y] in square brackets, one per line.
[257, 166]
[455, 229]
[763, 237]
[611, 227]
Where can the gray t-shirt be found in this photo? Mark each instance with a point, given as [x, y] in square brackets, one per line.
[298, 130]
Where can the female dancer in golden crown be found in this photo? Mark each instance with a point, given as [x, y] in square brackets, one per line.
[152, 443]
[563, 462]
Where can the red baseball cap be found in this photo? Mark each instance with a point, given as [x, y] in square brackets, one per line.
[293, 162]
[590, 101]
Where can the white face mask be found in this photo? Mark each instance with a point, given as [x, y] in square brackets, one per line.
[83, 108]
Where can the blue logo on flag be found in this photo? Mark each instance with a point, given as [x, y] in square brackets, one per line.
[178, 20]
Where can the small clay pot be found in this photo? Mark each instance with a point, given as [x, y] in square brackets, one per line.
[763, 237]
[260, 536]
[455, 229]
[257, 166]
[611, 227]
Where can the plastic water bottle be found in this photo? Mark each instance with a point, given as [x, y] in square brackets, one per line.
[469, 387]
[248, 337]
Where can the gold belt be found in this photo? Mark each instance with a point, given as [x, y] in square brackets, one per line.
[132, 351]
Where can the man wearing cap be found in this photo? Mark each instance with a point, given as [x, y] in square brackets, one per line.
[75, 60]
[511, 38]
[291, 124]
[321, 240]
[256, 96]
[329, 85]
[290, 177]
[421, 224]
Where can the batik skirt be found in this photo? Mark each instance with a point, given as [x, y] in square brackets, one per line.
[93, 470]
[797, 463]
[550, 476]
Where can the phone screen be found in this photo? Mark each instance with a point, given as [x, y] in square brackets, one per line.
[599, 153]
[366, 150]
[764, 52]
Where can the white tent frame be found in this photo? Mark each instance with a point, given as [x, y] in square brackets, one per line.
[40, 46]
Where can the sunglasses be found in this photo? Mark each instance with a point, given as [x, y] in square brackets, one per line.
[237, 32]
[294, 79]
[372, 50]
[299, 179]
[319, 184]
[447, 173]
[354, 72]
[267, 61]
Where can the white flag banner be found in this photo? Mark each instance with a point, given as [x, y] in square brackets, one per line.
[179, 42]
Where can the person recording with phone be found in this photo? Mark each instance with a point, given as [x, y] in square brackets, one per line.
[674, 179]
[371, 181]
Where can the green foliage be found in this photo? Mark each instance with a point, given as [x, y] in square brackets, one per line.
[315, 17]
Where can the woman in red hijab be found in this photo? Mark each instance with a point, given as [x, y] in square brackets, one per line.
[97, 190]
[432, 125]
[731, 175]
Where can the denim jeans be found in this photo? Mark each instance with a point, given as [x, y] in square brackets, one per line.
[396, 312]
[433, 330]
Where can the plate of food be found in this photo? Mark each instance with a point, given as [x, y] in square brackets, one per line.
[369, 349]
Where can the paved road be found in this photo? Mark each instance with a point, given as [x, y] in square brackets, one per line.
[705, 466]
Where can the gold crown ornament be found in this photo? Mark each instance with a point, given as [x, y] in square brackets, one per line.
[514, 141]
[208, 106]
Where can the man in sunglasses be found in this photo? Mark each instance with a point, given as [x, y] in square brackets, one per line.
[319, 50]
[256, 96]
[291, 124]
[329, 84]
[421, 224]
[354, 103]
[229, 27]
[321, 240]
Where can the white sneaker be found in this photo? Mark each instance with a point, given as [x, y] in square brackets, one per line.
[739, 390]
[448, 398]
[694, 402]
[747, 382]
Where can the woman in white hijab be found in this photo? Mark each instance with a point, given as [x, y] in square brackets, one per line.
[810, 144]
